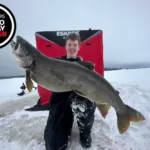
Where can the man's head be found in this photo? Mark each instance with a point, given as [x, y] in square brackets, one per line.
[73, 42]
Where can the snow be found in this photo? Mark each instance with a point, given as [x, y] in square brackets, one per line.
[10, 88]
[21, 130]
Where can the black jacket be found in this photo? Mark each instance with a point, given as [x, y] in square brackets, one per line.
[60, 120]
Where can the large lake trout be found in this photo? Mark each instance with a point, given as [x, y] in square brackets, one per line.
[61, 76]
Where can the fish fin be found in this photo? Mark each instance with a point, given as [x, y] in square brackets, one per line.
[29, 82]
[103, 108]
[86, 64]
[79, 93]
[123, 120]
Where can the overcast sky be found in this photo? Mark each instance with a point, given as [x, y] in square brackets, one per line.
[126, 25]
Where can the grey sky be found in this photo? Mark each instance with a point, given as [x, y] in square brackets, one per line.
[125, 24]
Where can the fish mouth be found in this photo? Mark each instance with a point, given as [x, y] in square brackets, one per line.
[14, 45]
[18, 39]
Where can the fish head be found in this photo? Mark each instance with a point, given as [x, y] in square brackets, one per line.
[25, 53]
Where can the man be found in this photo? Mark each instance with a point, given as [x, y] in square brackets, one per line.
[62, 107]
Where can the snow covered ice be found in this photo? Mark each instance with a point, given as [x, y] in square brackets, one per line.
[21, 130]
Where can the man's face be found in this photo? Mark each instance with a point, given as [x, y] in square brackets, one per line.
[72, 47]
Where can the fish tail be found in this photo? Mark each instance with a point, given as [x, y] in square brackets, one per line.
[103, 108]
[131, 114]
[134, 115]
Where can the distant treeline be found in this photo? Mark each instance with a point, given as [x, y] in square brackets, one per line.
[110, 69]
[9, 77]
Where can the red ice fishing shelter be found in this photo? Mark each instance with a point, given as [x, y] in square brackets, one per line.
[52, 44]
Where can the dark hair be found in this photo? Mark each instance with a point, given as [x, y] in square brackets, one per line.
[73, 36]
